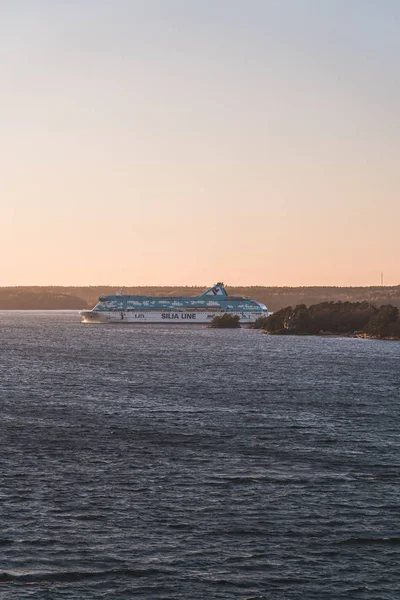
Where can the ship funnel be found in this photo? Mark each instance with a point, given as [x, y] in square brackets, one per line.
[216, 290]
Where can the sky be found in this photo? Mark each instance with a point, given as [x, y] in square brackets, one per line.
[184, 142]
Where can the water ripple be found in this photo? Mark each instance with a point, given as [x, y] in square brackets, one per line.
[176, 463]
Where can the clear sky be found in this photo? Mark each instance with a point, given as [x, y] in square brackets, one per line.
[191, 141]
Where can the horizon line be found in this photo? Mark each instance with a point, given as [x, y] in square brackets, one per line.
[107, 285]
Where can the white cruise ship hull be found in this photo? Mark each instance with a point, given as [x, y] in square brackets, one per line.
[165, 318]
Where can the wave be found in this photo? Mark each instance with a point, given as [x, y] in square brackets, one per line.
[41, 577]
[369, 540]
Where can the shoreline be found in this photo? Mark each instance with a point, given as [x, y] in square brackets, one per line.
[362, 336]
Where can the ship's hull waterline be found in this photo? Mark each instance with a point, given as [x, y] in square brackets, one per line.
[178, 318]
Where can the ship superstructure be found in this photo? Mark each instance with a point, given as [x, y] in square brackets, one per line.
[157, 309]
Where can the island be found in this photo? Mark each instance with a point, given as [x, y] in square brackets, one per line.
[355, 319]
[225, 321]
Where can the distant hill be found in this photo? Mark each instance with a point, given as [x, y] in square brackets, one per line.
[275, 298]
[39, 299]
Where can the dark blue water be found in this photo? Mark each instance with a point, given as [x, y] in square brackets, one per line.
[176, 462]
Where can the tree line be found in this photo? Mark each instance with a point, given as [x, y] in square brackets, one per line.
[342, 318]
[275, 298]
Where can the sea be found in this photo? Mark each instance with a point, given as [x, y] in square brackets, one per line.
[183, 462]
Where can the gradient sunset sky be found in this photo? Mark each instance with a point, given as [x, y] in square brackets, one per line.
[175, 142]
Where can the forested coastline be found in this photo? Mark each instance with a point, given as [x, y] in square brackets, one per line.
[361, 319]
[275, 298]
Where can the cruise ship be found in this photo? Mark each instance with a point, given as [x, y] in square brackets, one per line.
[174, 309]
